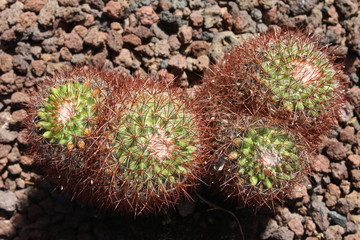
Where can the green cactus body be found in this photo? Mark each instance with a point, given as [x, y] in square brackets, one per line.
[265, 157]
[298, 74]
[156, 141]
[67, 114]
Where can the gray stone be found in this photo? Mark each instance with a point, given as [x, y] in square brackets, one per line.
[320, 214]
[283, 233]
[172, 21]
[48, 12]
[338, 219]
[347, 7]
[222, 42]
[339, 170]
[7, 201]
[212, 16]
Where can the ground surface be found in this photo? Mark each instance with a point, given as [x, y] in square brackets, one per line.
[175, 38]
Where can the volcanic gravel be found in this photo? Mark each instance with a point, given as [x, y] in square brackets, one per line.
[169, 39]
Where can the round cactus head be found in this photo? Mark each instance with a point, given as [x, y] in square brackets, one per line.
[298, 73]
[67, 113]
[264, 163]
[155, 145]
[266, 157]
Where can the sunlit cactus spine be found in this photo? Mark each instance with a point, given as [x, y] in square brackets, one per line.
[299, 74]
[282, 74]
[118, 142]
[263, 164]
[67, 113]
[156, 146]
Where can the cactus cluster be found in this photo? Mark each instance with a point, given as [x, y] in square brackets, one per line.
[288, 83]
[138, 145]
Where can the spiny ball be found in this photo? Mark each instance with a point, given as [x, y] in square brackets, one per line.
[155, 141]
[67, 113]
[265, 157]
[298, 73]
[155, 145]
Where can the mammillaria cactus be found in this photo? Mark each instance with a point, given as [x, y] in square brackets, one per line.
[269, 101]
[279, 74]
[156, 145]
[67, 113]
[119, 142]
[264, 163]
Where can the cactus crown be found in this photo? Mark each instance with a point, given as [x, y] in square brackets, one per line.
[67, 114]
[155, 141]
[265, 157]
[298, 74]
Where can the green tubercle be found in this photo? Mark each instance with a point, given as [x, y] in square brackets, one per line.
[299, 75]
[156, 141]
[67, 114]
[265, 157]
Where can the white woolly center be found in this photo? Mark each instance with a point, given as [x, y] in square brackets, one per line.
[270, 159]
[160, 146]
[66, 111]
[305, 72]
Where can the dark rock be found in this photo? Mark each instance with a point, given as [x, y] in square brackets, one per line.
[172, 21]
[48, 12]
[320, 214]
[347, 7]
[73, 42]
[335, 150]
[334, 233]
[99, 59]
[68, 3]
[298, 7]
[338, 219]
[38, 35]
[283, 233]
[73, 14]
[114, 41]
[20, 65]
[339, 170]
[243, 23]
[50, 45]
[99, 4]
[7, 201]
[38, 67]
[270, 228]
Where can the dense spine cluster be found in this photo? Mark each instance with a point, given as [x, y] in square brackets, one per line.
[138, 145]
[67, 114]
[268, 101]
